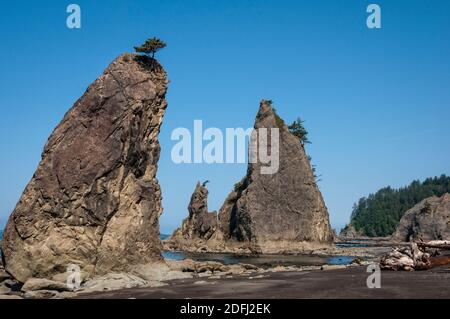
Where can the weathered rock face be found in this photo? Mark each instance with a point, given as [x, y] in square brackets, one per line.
[94, 199]
[272, 209]
[428, 220]
[200, 224]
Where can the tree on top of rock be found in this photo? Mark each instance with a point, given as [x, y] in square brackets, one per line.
[298, 129]
[151, 46]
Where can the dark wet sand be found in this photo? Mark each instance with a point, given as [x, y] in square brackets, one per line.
[339, 283]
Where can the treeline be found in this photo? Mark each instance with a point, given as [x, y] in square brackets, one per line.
[379, 214]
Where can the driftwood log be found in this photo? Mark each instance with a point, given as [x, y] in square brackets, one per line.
[438, 244]
[415, 257]
[440, 260]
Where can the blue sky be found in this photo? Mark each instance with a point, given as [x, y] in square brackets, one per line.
[376, 102]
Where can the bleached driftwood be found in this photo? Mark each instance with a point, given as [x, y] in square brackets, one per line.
[415, 257]
[438, 244]
[398, 259]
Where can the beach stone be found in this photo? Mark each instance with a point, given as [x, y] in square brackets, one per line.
[34, 284]
[159, 272]
[10, 283]
[67, 294]
[113, 281]
[188, 265]
[4, 275]
[4, 290]
[248, 266]
[41, 294]
[62, 277]
[185, 265]
[9, 297]
[333, 267]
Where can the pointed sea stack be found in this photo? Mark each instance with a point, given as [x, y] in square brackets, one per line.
[273, 212]
[94, 200]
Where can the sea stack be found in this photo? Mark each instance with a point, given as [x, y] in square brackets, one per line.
[273, 212]
[276, 212]
[200, 224]
[428, 220]
[94, 200]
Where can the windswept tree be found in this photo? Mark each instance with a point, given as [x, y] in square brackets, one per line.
[298, 129]
[318, 178]
[150, 47]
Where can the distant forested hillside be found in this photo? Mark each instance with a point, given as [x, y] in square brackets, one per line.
[379, 214]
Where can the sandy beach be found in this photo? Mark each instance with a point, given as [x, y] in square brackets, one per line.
[335, 284]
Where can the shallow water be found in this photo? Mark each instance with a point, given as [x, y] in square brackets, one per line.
[264, 261]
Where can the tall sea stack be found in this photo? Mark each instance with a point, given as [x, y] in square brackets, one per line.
[277, 212]
[280, 210]
[94, 200]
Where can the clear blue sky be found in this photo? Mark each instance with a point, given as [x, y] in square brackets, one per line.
[376, 102]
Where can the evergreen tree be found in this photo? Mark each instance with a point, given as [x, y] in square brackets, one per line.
[151, 46]
[380, 213]
[298, 129]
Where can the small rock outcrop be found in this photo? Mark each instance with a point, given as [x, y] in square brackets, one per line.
[94, 200]
[280, 209]
[200, 224]
[349, 232]
[428, 220]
